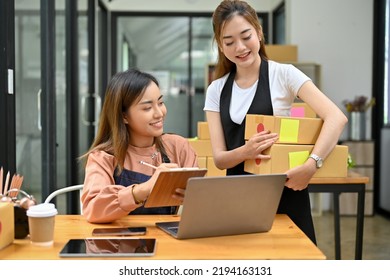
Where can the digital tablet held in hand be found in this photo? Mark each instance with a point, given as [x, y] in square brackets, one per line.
[119, 231]
[109, 247]
[166, 184]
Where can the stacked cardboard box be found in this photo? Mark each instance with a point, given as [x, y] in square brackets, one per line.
[291, 130]
[7, 225]
[282, 53]
[297, 137]
[202, 147]
[301, 109]
[285, 157]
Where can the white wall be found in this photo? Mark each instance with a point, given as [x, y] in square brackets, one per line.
[339, 36]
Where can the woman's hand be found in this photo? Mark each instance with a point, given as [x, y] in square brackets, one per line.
[298, 177]
[179, 194]
[164, 166]
[258, 143]
[143, 190]
[161, 167]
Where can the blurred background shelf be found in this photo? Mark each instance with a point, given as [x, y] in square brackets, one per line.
[362, 153]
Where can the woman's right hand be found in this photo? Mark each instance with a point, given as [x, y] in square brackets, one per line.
[164, 166]
[258, 143]
[143, 190]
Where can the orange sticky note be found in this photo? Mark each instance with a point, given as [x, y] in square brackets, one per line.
[297, 158]
[289, 131]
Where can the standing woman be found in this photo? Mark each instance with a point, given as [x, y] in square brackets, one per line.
[130, 131]
[246, 82]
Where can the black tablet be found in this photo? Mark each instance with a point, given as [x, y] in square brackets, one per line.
[119, 231]
[109, 247]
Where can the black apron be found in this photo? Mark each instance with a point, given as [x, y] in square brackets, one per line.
[296, 204]
[128, 178]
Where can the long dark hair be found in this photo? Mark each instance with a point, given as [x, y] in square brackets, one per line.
[124, 89]
[222, 14]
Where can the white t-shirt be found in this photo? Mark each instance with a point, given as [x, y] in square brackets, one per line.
[285, 80]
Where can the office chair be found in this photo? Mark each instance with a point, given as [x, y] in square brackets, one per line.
[66, 190]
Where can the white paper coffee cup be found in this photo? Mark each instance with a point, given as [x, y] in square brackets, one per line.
[41, 219]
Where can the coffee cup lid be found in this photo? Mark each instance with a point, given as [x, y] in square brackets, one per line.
[42, 210]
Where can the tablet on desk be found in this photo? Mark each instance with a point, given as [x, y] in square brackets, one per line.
[119, 231]
[109, 247]
[167, 182]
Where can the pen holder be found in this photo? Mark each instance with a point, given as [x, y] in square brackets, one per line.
[20, 210]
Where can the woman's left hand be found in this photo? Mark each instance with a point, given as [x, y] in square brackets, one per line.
[179, 194]
[298, 177]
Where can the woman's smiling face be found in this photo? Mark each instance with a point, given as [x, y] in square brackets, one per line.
[240, 42]
[145, 118]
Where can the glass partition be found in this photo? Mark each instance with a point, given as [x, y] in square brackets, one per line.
[161, 45]
[28, 98]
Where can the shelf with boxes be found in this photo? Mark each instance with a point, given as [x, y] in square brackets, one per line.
[289, 54]
[284, 54]
[362, 153]
[202, 146]
[312, 70]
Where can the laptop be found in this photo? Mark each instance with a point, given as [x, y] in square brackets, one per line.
[228, 205]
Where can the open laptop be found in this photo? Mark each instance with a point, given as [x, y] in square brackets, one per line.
[228, 205]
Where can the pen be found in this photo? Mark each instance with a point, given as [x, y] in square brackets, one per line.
[147, 164]
[6, 183]
[1, 181]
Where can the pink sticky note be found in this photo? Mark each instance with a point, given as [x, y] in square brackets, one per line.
[298, 112]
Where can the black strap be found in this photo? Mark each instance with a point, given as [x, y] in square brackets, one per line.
[165, 158]
[234, 133]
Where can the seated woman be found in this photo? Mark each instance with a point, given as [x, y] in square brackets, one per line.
[130, 132]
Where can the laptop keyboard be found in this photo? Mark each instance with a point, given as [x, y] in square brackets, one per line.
[173, 229]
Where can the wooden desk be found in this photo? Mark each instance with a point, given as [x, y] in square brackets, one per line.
[353, 183]
[284, 241]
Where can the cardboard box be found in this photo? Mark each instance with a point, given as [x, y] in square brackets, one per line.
[290, 130]
[202, 162]
[285, 157]
[212, 170]
[203, 131]
[282, 53]
[7, 224]
[302, 110]
[201, 147]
